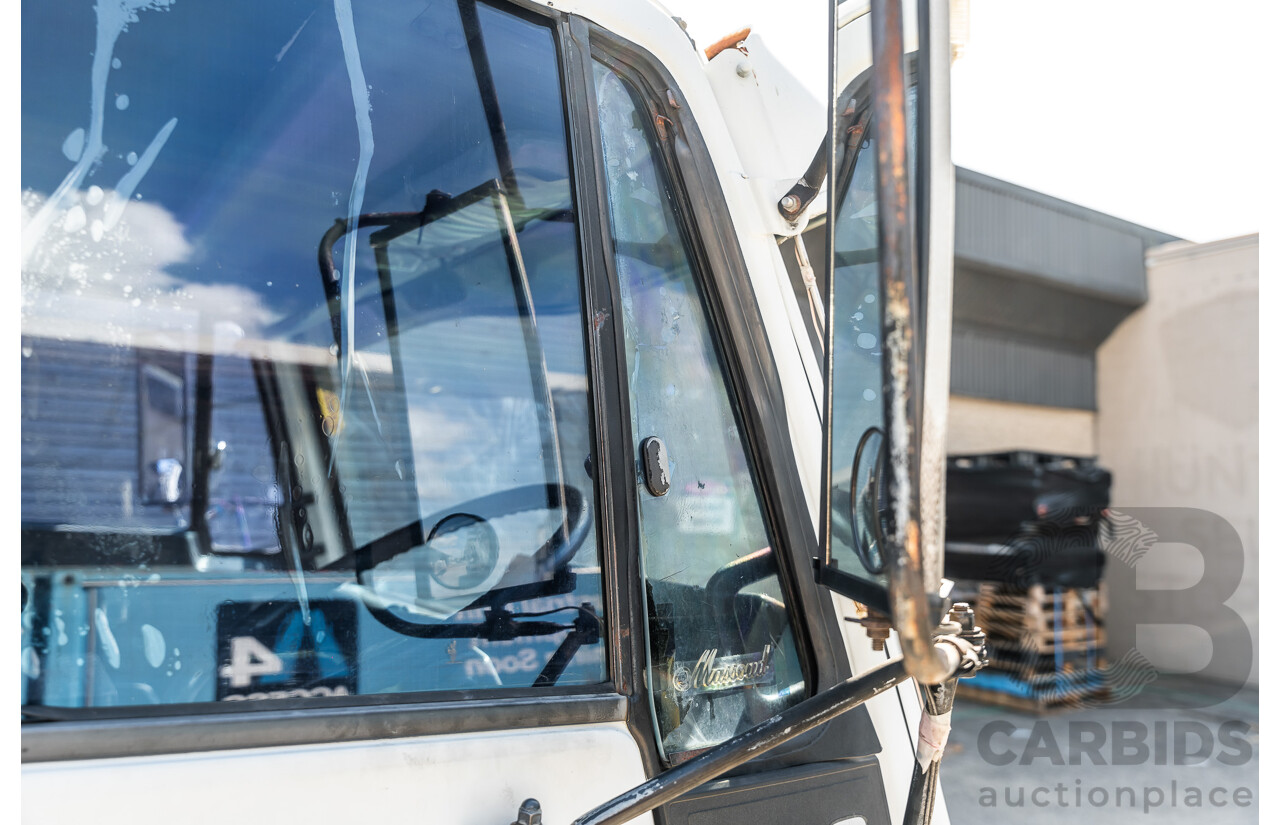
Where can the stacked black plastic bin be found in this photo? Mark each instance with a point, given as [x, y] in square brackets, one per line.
[1024, 542]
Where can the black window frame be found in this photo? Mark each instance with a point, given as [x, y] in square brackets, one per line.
[755, 392]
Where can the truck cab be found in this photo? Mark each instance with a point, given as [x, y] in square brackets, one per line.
[424, 411]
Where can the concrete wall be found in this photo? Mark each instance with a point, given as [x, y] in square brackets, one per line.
[1177, 425]
[976, 425]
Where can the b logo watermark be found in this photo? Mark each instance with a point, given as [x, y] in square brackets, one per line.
[1071, 548]
[1140, 532]
[1135, 738]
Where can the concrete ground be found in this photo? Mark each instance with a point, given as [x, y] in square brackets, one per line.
[1008, 766]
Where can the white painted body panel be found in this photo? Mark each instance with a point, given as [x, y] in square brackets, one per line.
[471, 779]
[775, 123]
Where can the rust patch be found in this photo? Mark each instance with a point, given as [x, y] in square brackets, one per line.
[731, 41]
[661, 121]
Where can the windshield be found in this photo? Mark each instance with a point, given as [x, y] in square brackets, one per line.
[305, 406]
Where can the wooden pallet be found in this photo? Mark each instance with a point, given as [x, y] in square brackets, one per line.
[1039, 666]
[1049, 641]
[1036, 604]
[1036, 621]
[1045, 646]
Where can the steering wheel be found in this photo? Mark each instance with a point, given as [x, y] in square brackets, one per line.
[544, 573]
[863, 525]
[868, 504]
[554, 554]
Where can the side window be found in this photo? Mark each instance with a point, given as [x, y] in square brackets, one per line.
[722, 653]
[304, 388]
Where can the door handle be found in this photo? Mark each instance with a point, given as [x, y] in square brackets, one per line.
[653, 460]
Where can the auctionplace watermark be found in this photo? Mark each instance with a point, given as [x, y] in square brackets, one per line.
[1178, 749]
[1145, 798]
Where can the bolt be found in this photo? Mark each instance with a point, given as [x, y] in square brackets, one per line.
[530, 813]
[962, 614]
[877, 628]
[744, 69]
[790, 204]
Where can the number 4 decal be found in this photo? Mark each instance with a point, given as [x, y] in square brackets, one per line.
[249, 658]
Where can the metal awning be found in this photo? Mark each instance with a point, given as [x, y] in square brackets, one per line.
[1039, 284]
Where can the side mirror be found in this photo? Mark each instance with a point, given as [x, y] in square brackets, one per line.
[887, 300]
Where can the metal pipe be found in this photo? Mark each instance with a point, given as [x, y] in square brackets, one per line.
[923, 795]
[912, 610]
[783, 727]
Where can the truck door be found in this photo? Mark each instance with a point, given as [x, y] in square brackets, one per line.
[398, 431]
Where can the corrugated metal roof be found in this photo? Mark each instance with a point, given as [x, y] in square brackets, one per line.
[1039, 284]
[1032, 308]
[1011, 229]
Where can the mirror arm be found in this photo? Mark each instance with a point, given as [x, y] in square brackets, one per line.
[913, 611]
[799, 197]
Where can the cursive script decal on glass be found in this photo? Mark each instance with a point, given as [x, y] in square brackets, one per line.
[711, 674]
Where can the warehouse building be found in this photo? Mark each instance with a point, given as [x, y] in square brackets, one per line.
[1077, 333]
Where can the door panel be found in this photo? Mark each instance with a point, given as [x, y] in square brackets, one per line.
[474, 779]
[816, 794]
[308, 447]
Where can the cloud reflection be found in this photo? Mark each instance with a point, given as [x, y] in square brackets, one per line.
[91, 280]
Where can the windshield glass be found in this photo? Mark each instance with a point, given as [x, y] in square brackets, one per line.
[305, 406]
